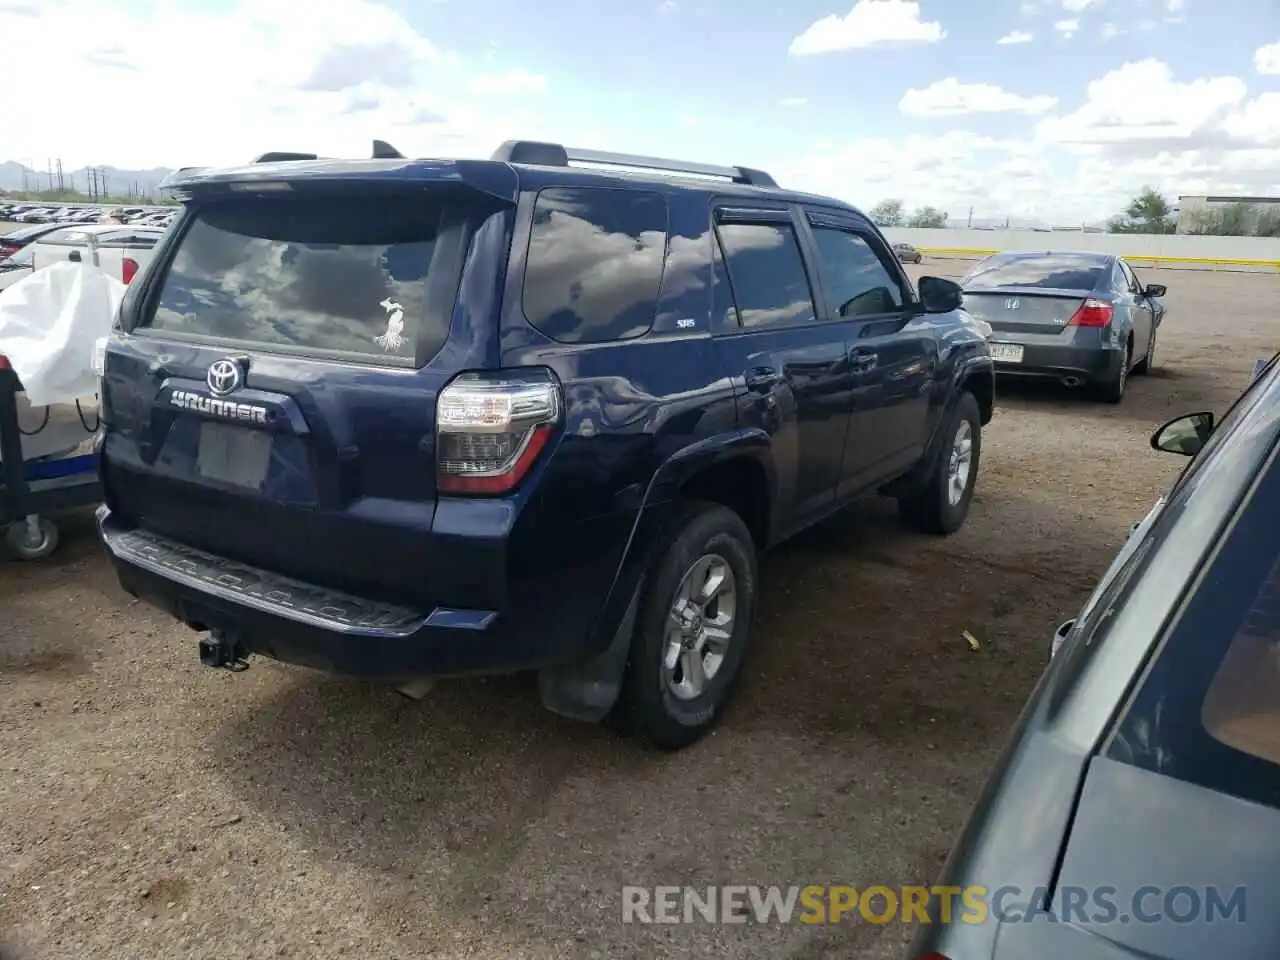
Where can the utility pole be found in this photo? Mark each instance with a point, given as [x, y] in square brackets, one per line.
[48, 169]
[62, 184]
[969, 225]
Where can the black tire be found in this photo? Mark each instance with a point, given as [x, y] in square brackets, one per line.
[930, 509]
[1148, 363]
[648, 707]
[1113, 391]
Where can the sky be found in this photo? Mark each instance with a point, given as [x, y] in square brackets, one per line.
[1057, 110]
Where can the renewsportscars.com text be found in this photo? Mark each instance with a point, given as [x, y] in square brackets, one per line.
[912, 904]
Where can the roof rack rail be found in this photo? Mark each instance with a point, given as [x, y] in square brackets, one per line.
[278, 156]
[385, 151]
[556, 155]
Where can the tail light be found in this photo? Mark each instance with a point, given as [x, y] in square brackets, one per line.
[1092, 313]
[8, 250]
[4, 363]
[490, 429]
[130, 269]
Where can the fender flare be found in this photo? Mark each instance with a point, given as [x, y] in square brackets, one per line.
[588, 689]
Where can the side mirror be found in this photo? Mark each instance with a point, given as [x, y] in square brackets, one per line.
[938, 295]
[1156, 290]
[1059, 636]
[1184, 435]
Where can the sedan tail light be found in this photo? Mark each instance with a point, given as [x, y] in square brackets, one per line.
[130, 269]
[1092, 313]
[491, 428]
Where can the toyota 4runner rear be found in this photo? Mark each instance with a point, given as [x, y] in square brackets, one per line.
[406, 419]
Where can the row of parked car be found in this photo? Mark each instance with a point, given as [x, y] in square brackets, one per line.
[120, 249]
[27, 212]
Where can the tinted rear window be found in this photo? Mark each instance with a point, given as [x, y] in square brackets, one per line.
[346, 275]
[1209, 711]
[1053, 271]
[595, 263]
[766, 272]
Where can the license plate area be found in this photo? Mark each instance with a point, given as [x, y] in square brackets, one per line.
[1006, 352]
[233, 455]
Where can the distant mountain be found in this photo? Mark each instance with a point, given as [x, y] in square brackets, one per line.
[118, 182]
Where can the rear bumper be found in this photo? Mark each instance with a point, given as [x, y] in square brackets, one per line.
[1052, 362]
[311, 626]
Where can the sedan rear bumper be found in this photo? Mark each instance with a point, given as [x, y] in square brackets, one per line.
[1066, 363]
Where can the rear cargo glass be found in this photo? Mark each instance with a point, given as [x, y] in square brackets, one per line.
[345, 275]
[1052, 271]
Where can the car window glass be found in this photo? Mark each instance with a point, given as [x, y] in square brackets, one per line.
[767, 274]
[1062, 271]
[856, 280]
[1131, 279]
[23, 258]
[346, 275]
[1208, 711]
[595, 263]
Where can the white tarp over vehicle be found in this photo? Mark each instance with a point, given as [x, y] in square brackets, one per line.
[49, 325]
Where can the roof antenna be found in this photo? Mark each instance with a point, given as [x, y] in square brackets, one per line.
[385, 151]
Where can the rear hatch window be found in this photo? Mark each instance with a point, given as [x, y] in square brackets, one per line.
[333, 275]
[1051, 271]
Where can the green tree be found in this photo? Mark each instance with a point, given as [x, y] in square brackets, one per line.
[1148, 212]
[929, 217]
[887, 213]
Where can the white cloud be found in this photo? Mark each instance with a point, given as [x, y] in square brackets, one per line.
[794, 101]
[1138, 124]
[1175, 6]
[1111, 30]
[319, 75]
[1067, 28]
[1016, 36]
[870, 23]
[1076, 6]
[510, 82]
[1267, 59]
[668, 6]
[950, 97]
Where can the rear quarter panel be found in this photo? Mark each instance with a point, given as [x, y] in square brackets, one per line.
[631, 407]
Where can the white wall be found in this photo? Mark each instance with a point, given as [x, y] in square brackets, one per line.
[1257, 251]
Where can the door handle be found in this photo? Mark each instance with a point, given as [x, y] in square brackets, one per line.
[762, 379]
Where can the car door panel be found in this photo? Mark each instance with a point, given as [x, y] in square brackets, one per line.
[893, 353]
[790, 370]
[1141, 313]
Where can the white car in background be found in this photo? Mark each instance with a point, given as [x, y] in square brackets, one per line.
[122, 249]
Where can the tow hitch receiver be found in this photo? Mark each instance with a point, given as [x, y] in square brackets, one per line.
[223, 649]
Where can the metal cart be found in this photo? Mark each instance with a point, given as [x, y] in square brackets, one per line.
[30, 492]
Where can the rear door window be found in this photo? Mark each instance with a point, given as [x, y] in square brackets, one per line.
[1208, 710]
[1050, 271]
[766, 273]
[595, 263]
[343, 275]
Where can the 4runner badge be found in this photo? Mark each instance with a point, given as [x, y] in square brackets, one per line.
[393, 339]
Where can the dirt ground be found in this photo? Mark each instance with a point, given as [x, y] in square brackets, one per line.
[153, 808]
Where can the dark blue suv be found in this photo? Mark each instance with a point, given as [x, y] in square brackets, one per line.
[406, 419]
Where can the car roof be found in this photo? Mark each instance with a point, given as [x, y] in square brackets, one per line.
[1092, 255]
[505, 174]
[95, 228]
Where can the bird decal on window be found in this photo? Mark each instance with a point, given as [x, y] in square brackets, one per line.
[393, 338]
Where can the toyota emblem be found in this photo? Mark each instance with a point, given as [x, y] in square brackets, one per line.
[223, 377]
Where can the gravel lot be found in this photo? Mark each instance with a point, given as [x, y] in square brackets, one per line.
[157, 809]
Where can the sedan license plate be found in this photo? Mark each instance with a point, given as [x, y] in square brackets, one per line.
[233, 455]
[1006, 352]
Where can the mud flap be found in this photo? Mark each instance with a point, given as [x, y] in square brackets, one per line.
[587, 690]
